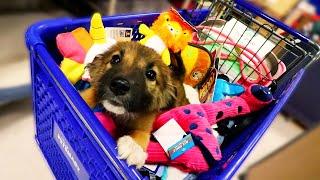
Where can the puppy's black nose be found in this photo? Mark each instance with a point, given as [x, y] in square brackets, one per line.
[119, 86]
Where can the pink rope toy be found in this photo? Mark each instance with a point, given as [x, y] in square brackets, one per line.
[252, 59]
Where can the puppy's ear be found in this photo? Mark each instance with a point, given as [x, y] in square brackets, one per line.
[177, 66]
[97, 66]
[98, 57]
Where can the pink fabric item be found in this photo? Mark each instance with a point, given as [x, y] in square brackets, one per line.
[70, 48]
[197, 119]
[107, 122]
[192, 118]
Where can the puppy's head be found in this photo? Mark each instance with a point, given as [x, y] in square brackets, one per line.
[130, 78]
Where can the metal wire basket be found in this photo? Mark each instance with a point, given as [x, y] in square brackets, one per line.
[255, 47]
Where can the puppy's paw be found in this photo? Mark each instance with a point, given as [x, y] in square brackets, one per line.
[131, 151]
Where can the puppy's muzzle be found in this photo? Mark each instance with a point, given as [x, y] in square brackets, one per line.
[119, 86]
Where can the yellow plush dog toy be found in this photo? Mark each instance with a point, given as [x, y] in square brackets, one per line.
[169, 32]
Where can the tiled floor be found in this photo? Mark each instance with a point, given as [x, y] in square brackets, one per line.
[19, 154]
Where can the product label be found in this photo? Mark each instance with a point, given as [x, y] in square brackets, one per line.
[206, 88]
[181, 147]
[119, 33]
[169, 134]
[68, 152]
[173, 139]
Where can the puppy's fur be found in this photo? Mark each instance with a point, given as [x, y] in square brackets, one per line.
[135, 111]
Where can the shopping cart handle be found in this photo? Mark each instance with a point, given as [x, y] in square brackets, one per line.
[272, 20]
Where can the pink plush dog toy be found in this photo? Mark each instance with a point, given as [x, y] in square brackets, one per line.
[197, 119]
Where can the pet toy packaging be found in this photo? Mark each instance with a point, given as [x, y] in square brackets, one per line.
[80, 142]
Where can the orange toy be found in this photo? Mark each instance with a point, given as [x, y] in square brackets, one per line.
[171, 32]
[197, 62]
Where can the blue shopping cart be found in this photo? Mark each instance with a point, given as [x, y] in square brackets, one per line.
[75, 144]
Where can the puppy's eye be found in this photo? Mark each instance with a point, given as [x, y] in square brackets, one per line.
[151, 75]
[115, 59]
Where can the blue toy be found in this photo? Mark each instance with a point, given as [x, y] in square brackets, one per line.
[82, 85]
[223, 88]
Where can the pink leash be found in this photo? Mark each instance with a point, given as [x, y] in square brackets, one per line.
[255, 61]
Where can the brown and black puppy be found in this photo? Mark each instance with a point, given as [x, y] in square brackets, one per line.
[134, 85]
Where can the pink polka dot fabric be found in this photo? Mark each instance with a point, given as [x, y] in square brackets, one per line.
[197, 119]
